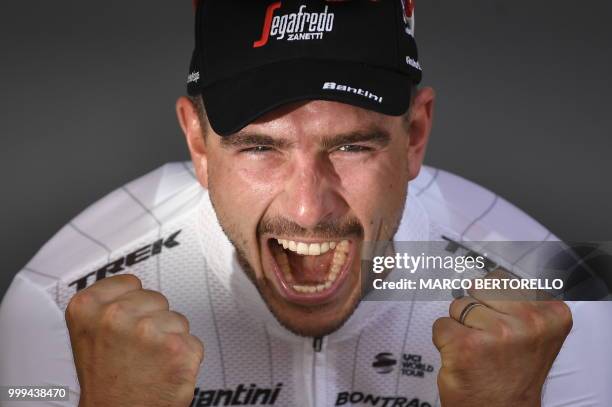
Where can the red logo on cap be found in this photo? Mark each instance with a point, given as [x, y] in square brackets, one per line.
[265, 35]
[409, 7]
[300, 25]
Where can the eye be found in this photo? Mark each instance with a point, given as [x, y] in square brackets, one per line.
[354, 148]
[257, 150]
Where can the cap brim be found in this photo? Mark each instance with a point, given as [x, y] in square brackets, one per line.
[234, 103]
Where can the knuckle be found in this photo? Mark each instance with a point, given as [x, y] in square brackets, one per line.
[145, 329]
[183, 320]
[535, 320]
[156, 297]
[563, 314]
[521, 309]
[437, 325]
[174, 345]
[111, 315]
[79, 306]
[437, 332]
[128, 279]
[177, 319]
[191, 368]
[535, 326]
[199, 348]
[528, 314]
[504, 331]
[188, 364]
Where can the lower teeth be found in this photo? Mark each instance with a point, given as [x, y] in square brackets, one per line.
[312, 288]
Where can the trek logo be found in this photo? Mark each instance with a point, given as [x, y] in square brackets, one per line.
[410, 364]
[384, 363]
[240, 396]
[358, 398]
[349, 89]
[138, 256]
[300, 26]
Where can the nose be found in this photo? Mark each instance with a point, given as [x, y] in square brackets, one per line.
[312, 193]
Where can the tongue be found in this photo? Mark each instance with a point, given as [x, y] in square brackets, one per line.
[310, 269]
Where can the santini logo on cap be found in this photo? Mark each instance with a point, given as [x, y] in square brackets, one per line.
[300, 26]
[357, 91]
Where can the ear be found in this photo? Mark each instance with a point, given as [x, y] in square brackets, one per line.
[189, 121]
[421, 119]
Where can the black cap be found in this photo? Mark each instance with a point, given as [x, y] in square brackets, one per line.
[252, 56]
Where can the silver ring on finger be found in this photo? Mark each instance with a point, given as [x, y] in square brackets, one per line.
[468, 308]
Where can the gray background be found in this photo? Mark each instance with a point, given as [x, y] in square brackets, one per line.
[88, 90]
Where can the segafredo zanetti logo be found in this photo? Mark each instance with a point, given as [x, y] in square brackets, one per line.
[301, 25]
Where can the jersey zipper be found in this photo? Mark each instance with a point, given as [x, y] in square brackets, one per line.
[317, 343]
[319, 356]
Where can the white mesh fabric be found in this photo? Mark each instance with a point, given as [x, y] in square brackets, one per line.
[244, 343]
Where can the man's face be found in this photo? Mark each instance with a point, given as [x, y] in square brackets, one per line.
[298, 192]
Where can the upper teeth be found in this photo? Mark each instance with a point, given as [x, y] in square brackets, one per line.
[313, 249]
[310, 249]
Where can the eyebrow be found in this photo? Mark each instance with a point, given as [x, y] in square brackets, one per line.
[245, 139]
[375, 135]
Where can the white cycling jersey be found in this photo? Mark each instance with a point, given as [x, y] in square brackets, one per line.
[163, 229]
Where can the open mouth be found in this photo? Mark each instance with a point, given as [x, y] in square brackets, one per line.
[311, 272]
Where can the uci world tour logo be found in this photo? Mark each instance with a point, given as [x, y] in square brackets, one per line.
[409, 364]
[384, 363]
[302, 25]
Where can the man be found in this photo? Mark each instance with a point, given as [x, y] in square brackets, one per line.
[236, 281]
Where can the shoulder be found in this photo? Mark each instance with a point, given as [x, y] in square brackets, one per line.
[127, 230]
[467, 211]
[27, 315]
[581, 372]
[131, 217]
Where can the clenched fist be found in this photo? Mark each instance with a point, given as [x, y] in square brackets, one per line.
[129, 348]
[501, 355]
